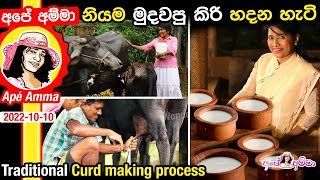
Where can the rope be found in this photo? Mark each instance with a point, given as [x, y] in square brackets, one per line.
[96, 58]
[92, 57]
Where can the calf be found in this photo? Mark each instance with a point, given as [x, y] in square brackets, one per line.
[141, 80]
[106, 80]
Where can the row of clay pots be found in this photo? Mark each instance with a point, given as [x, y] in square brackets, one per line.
[247, 156]
[244, 119]
[240, 118]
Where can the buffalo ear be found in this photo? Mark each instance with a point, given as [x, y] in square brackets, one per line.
[129, 75]
[75, 57]
[77, 52]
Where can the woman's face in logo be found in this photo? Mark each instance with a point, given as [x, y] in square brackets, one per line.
[33, 58]
[286, 158]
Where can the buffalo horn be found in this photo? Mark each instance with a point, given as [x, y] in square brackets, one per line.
[81, 40]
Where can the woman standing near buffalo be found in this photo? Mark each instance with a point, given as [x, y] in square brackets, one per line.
[292, 84]
[166, 63]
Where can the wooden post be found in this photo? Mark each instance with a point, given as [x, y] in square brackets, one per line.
[183, 143]
[177, 32]
[212, 54]
[199, 58]
[212, 44]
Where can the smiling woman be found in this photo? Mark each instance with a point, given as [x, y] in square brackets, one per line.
[33, 59]
[281, 44]
[289, 80]
[28, 62]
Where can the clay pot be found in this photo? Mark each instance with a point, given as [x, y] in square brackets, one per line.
[211, 100]
[253, 118]
[274, 173]
[213, 130]
[254, 144]
[237, 173]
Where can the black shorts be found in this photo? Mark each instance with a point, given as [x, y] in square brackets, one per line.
[67, 159]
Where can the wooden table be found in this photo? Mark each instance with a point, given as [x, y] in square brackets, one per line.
[198, 144]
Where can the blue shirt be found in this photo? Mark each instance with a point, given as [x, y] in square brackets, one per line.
[59, 140]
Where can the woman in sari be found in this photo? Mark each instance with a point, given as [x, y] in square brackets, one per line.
[291, 83]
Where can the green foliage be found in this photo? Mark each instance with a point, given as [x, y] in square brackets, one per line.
[136, 35]
[65, 30]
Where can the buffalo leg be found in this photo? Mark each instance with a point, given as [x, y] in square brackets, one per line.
[116, 158]
[155, 116]
[174, 121]
[144, 150]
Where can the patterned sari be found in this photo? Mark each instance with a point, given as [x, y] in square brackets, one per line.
[293, 89]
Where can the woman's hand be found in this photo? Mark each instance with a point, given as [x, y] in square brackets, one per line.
[160, 55]
[129, 43]
[287, 138]
[131, 144]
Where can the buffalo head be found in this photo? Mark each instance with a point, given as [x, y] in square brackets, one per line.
[87, 51]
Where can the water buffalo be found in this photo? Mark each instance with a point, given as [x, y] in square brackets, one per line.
[92, 56]
[140, 80]
[107, 80]
[162, 117]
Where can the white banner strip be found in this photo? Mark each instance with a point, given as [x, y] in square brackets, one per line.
[21, 117]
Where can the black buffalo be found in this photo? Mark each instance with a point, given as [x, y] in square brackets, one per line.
[105, 55]
[140, 80]
[161, 118]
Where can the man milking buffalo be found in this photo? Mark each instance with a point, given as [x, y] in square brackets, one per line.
[75, 137]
